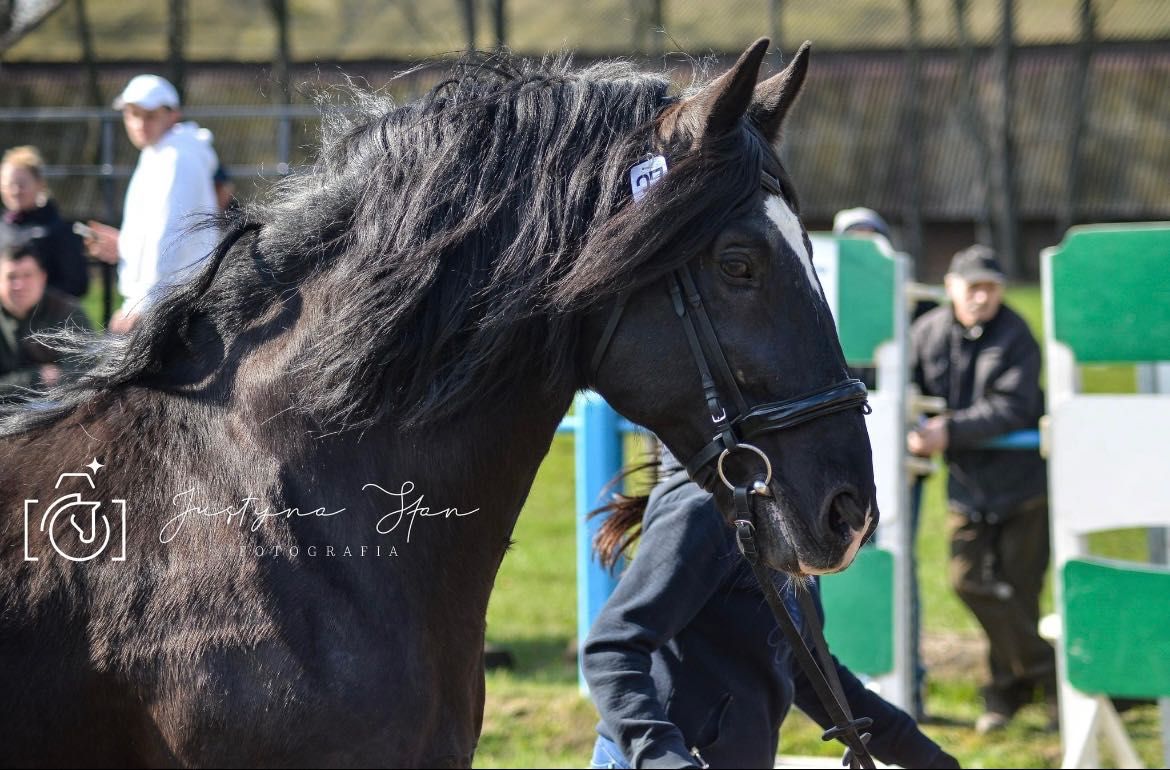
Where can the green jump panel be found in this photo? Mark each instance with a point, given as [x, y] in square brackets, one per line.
[865, 298]
[858, 278]
[1117, 627]
[1111, 292]
[859, 612]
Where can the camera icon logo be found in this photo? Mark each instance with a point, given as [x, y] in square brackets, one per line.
[76, 528]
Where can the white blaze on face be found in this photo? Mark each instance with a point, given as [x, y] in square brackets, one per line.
[790, 230]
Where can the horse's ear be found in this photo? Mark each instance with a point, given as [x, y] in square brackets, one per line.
[775, 95]
[717, 108]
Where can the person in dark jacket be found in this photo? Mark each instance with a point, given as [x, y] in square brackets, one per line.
[980, 356]
[30, 214]
[29, 307]
[686, 662]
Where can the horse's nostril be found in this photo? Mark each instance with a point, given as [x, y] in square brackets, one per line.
[837, 524]
[845, 515]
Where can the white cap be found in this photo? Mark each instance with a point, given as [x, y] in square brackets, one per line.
[860, 218]
[149, 92]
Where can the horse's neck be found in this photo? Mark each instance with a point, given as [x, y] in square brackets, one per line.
[491, 458]
[455, 489]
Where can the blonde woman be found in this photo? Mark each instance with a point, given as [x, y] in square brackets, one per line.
[30, 215]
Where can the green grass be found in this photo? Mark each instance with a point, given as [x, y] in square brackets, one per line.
[535, 716]
[91, 303]
[544, 612]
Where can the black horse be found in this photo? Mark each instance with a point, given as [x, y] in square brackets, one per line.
[310, 458]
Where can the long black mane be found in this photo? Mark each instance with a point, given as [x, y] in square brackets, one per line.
[449, 243]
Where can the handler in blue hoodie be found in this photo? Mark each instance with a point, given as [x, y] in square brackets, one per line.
[686, 661]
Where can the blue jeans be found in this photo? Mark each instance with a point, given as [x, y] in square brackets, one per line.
[607, 754]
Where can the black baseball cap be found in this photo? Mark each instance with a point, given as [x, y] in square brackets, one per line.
[977, 264]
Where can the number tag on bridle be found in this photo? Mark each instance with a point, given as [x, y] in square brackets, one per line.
[646, 174]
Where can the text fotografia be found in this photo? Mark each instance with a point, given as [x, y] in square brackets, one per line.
[315, 551]
[394, 507]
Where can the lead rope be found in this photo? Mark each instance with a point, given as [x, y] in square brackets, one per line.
[824, 677]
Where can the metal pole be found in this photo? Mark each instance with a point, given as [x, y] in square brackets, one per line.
[598, 448]
[500, 19]
[468, 8]
[282, 75]
[1068, 210]
[176, 38]
[974, 126]
[108, 210]
[776, 27]
[1009, 244]
[1155, 378]
[912, 212]
[657, 27]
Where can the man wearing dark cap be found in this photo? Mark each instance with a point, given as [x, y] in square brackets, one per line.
[979, 355]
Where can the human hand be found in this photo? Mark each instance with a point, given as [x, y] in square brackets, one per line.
[103, 242]
[928, 438]
[50, 375]
[122, 322]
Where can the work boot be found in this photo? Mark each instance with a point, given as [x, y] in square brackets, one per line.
[999, 708]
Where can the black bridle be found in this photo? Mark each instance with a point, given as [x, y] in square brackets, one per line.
[731, 434]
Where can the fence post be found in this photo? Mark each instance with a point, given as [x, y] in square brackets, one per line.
[598, 448]
[108, 210]
[1155, 378]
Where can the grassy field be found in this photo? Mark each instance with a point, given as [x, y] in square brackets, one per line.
[535, 716]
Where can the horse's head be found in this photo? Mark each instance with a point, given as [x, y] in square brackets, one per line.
[733, 359]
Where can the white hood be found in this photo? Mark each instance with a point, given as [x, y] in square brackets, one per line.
[171, 190]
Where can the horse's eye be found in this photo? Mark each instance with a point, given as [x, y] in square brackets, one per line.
[736, 268]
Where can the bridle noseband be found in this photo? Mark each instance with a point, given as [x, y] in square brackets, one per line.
[732, 432]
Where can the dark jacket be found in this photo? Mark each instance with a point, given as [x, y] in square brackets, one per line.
[21, 358]
[686, 653]
[991, 383]
[59, 247]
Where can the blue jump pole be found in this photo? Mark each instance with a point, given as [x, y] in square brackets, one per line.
[1020, 439]
[598, 448]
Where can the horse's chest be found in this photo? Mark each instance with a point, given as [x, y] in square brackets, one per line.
[340, 692]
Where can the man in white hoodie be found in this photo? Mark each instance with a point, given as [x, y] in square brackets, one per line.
[171, 190]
